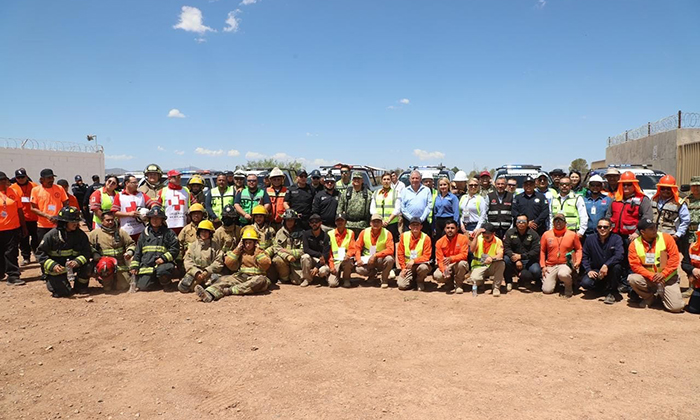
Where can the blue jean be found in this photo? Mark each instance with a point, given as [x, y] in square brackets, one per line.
[608, 284]
[531, 271]
[694, 303]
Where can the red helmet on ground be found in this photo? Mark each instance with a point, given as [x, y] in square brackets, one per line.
[628, 177]
[667, 181]
[106, 267]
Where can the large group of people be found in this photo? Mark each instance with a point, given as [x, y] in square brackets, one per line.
[239, 238]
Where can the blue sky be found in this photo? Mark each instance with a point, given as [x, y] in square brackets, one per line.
[386, 83]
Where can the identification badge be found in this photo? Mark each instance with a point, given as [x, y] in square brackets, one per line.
[341, 253]
[372, 250]
[593, 210]
[414, 254]
[52, 207]
[25, 199]
[3, 214]
[650, 258]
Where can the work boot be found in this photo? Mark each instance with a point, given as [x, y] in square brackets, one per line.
[203, 295]
[421, 287]
[509, 287]
[304, 283]
[15, 282]
[185, 285]
[347, 283]
[459, 290]
[496, 292]
[609, 299]
[392, 275]
[385, 285]
[568, 291]
[688, 292]
[80, 288]
[646, 302]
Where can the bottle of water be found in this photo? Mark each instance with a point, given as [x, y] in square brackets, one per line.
[70, 273]
[474, 289]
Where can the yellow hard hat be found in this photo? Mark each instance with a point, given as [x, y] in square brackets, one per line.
[249, 233]
[197, 207]
[206, 224]
[259, 209]
[196, 179]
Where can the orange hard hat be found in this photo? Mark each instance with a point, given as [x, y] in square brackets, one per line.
[628, 177]
[667, 181]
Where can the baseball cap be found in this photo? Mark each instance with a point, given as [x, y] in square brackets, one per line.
[343, 216]
[645, 224]
[559, 216]
[557, 171]
[62, 182]
[356, 174]
[541, 174]
[415, 220]
[314, 217]
[47, 173]
[376, 216]
[303, 173]
[78, 178]
[173, 172]
[485, 173]
[528, 179]
[2, 176]
[20, 172]
[315, 173]
[329, 177]
[488, 227]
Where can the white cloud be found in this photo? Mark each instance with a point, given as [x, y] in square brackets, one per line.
[191, 21]
[282, 156]
[175, 113]
[285, 157]
[425, 155]
[392, 107]
[254, 156]
[233, 153]
[119, 157]
[232, 22]
[404, 101]
[161, 148]
[200, 40]
[540, 4]
[311, 134]
[179, 152]
[248, 2]
[208, 152]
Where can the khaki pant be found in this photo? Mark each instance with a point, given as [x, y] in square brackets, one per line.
[418, 272]
[344, 268]
[562, 272]
[308, 263]
[646, 289]
[480, 274]
[384, 264]
[458, 271]
[238, 284]
[286, 270]
[118, 282]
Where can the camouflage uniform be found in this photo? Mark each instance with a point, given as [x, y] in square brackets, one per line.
[356, 207]
[694, 208]
[112, 244]
[286, 245]
[201, 257]
[248, 275]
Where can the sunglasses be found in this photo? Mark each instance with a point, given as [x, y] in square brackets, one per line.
[665, 189]
[303, 176]
[344, 172]
[565, 184]
[512, 185]
[521, 222]
[603, 227]
[473, 185]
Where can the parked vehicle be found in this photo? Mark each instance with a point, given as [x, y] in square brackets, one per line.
[290, 175]
[519, 172]
[437, 171]
[370, 175]
[648, 177]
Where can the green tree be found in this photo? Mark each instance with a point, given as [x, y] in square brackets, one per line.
[580, 165]
[271, 163]
[455, 169]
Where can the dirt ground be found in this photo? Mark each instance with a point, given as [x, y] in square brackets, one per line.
[360, 353]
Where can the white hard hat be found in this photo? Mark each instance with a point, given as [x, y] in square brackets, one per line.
[460, 176]
[596, 178]
[428, 175]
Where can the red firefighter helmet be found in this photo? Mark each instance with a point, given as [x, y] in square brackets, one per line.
[106, 267]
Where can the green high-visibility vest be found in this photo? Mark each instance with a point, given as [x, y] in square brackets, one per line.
[568, 208]
[105, 205]
[386, 205]
[248, 202]
[219, 200]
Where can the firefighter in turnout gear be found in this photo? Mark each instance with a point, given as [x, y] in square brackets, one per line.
[288, 249]
[155, 254]
[153, 183]
[203, 259]
[188, 234]
[196, 187]
[225, 235]
[248, 264]
[64, 253]
[112, 249]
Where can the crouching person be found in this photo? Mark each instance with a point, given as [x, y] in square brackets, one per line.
[374, 251]
[111, 247]
[451, 253]
[288, 249]
[64, 253]
[343, 250]
[153, 263]
[203, 259]
[317, 248]
[488, 258]
[248, 263]
[414, 256]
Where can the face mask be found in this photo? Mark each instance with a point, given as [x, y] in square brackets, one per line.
[227, 221]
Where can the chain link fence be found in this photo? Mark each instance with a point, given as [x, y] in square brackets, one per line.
[672, 122]
[55, 146]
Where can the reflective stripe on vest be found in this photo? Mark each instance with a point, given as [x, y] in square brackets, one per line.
[248, 202]
[569, 209]
[381, 241]
[665, 218]
[659, 247]
[105, 205]
[432, 206]
[334, 244]
[419, 245]
[476, 262]
[386, 206]
[219, 200]
[277, 201]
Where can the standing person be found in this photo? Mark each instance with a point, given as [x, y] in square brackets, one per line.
[342, 243]
[72, 200]
[288, 249]
[47, 200]
[488, 259]
[87, 214]
[572, 206]
[654, 260]
[670, 215]
[485, 187]
[64, 253]
[238, 181]
[374, 251]
[21, 192]
[153, 183]
[316, 183]
[596, 202]
[576, 187]
[157, 249]
[277, 191]
[613, 177]
[325, 203]
[355, 203]
[317, 252]
[544, 188]
[250, 197]
[691, 266]
[196, 187]
[128, 203]
[414, 252]
[446, 208]
[218, 198]
[693, 204]
[203, 260]
[534, 205]
[451, 253]
[554, 247]
[521, 246]
[345, 182]
[500, 213]
[397, 185]
[79, 190]
[387, 202]
[602, 261]
[12, 227]
[112, 249]
[512, 186]
[556, 175]
[175, 201]
[101, 200]
[300, 198]
[230, 181]
[460, 181]
[474, 209]
[415, 202]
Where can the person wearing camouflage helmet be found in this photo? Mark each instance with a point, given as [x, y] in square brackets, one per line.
[64, 253]
[288, 248]
[355, 203]
[157, 249]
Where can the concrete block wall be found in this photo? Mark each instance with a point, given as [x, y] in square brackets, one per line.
[659, 150]
[64, 164]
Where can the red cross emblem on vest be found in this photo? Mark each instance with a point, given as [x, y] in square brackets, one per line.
[177, 205]
[132, 207]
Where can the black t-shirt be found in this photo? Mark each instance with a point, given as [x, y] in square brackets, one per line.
[300, 200]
